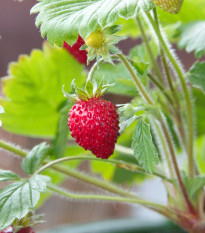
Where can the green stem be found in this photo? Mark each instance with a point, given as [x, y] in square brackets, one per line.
[83, 177]
[176, 168]
[96, 66]
[156, 207]
[166, 133]
[123, 164]
[135, 79]
[123, 149]
[93, 69]
[177, 108]
[186, 94]
[12, 148]
[144, 37]
[159, 85]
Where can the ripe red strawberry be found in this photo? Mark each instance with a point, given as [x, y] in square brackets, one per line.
[26, 230]
[94, 125]
[80, 55]
[171, 6]
[8, 230]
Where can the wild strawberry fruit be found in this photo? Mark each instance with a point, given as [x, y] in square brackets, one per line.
[171, 6]
[93, 123]
[80, 55]
[26, 230]
[8, 230]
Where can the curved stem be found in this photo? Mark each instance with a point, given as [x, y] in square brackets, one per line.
[178, 174]
[154, 206]
[123, 164]
[135, 79]
[167, 136]
[177, 107]
[144, 37]
[95, 67]
[186, 94]
[80, 176]
[123, 149]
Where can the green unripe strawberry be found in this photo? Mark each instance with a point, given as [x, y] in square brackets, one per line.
[171, 6]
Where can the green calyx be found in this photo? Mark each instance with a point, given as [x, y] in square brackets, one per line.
[91, 90]
[101, 43]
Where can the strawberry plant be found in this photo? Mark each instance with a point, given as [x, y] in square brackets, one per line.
[53, 94]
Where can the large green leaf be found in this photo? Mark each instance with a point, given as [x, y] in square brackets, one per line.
[33, 91]
[19, 198]
[196, 75]
[192, 37]
[64, 19]
[144, 149]
[200, 155]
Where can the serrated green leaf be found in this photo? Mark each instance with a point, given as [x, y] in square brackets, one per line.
[196, 75]
[34, 158]
[190, 41]
[194, 186]
[63, 20]
[8, 175]
[34, 91]
[144, 149]
[19, 198]
[126, 123]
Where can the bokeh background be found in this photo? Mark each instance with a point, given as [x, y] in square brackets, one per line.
[19, 36]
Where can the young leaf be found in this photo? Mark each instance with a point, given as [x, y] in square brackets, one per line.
[190, 41]
[63, 20]
[144, 149]
[196, 75]
[8, 175]
[194, 186]
[19, 198]
[35, 158]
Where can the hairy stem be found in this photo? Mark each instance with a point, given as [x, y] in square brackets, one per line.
[156, 207]
[177, 106]
[144, 37]
[75, 174]
[165, 130]
[135, 79]
[127, 165]
[178, 174]
[185, 91]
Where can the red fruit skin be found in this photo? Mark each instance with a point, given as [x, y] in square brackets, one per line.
[80, 55]
[8, 230]
[26, 230]
[94, 125]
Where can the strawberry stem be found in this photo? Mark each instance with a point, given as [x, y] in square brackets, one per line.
[153, 206]
[120, 163]
[165, 130]
[186, 94]
[149, 50]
